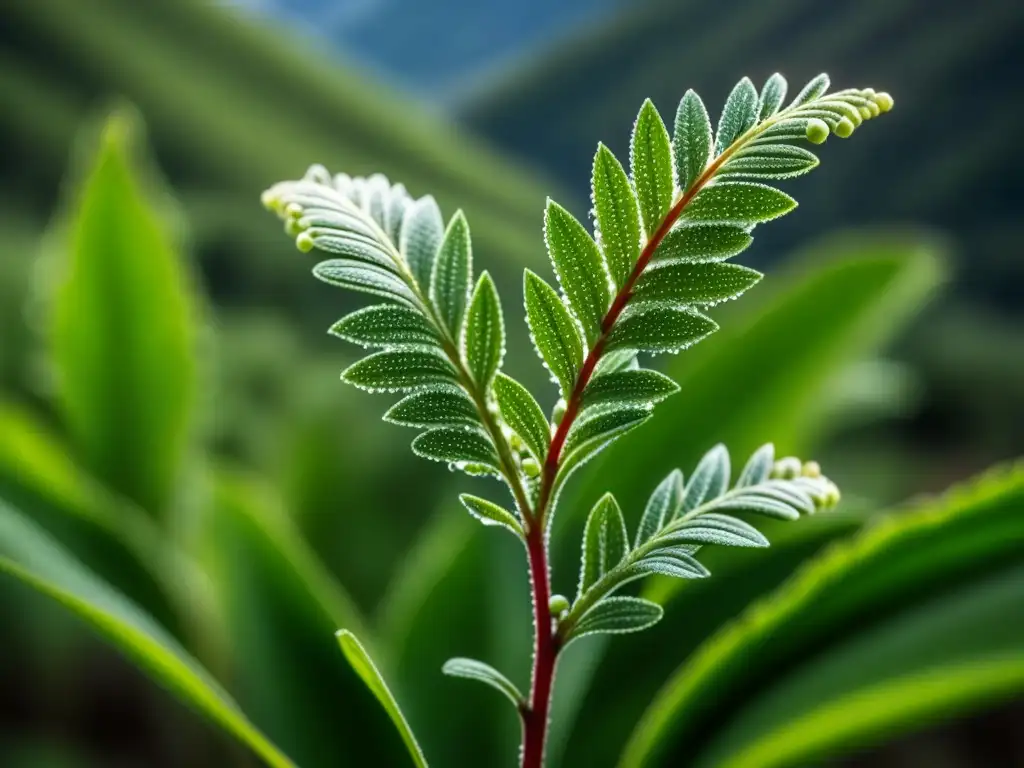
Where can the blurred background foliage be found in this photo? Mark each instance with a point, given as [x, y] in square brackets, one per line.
[204, 460]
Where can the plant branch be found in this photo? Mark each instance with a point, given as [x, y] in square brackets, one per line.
[535, 718]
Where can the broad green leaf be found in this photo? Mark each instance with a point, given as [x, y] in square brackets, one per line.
[580, 267]
[483, 335]
[398, 203]
[471, 669]
[489, 513]
[702, 243]
[713, 528]
[440, 406]
[123, 331]
[770, 162]
[703, 284]
[650, 159]
[692, 139]
[893, 564]
[605, 542]
[521, 412]
[592, 433]
[453, 274]
[554, 332]
[758, 466]
[661, 507]
[660, 328]
[741, 203]
[812, 90]
[367, 250]
[456, 445]
[738, 115]
[420, 239]
[617, 215]
[615, 361]
[363, 666]
[395, 370]
[386, 325]
[365, 279]
[772, 95]
[637, 385]
[617, 615]
[676, 562]
[709, 480]
[29, 555]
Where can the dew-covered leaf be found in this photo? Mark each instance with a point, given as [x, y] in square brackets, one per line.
[637, 385]
[350, 245]
[758, 504]
[675, 561]
[692, 139]
[702, 243]
[605, 542]
[489, 513]
[713, 528]
[738, 116]
[618, 615]
[364, 278]
[554, 332]
[483, 336]
[616, 360]
[580, 267]
[420, 239]
[650, 156]
[385, 325]
[593, 433]
[685, 283]
[772, 95]
[435, 407]
[471, 669]
[453, 273]
[395, 370]
[661, 507]
[456, 445]
[741, 203]
[660, 328]
[397, 203]
[523, 415]
[709, 480]
[617, 215]
[782, 161]
[758, 466]
[814, 89]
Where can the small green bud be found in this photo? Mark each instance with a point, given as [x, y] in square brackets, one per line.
[817, 131]
[304, 242]
[884, 101]
[558, 604]
[531, 468]
[811, 469]
[844, 128]
[868, 93]
[787, 468]
[515, 441]
[292, 227]
[558, 411]
[293, 209]
[269, 200]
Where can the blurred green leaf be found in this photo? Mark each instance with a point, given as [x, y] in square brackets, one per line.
[893, 565]
[30, 556]
[123, 331]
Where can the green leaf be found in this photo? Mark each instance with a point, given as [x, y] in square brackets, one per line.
[398, 203]
[675, 562]
[615, 361]
[650, 158]
[471, 669]
[772, 95]
[29, 555]
[605, 542]
[617, 215]
[636, 386]
[421, 236]
[440, 406]
[483, 335]
[489, 513]
[814, 89]
[661, 507]
[591, 434]
[713, 528]
[617, 615]
[659, 328]
[365, 279]
[758, 466]
[846, 597]
[692, 139]
[123, 331]
[709, 480]
[770, 162]
[521, 412]
[385, 325]
[741, 203]
[704, 284]
[363, 666]
[455, 446]
[368, 251]
[701, 243]
[580, 267]
[453, 274]
[395, 370]
[738, 116]
[554, 332]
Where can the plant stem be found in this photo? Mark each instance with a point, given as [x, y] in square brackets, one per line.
[535, 719]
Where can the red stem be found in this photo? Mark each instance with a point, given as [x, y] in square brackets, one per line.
[535, 719]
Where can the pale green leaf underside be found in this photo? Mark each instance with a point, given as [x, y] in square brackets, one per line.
[363, 666]
[738, 116]
[471, 669]
[772, 95]
[364, 279]
[420, 239]
[618, 615]
[661, 507]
